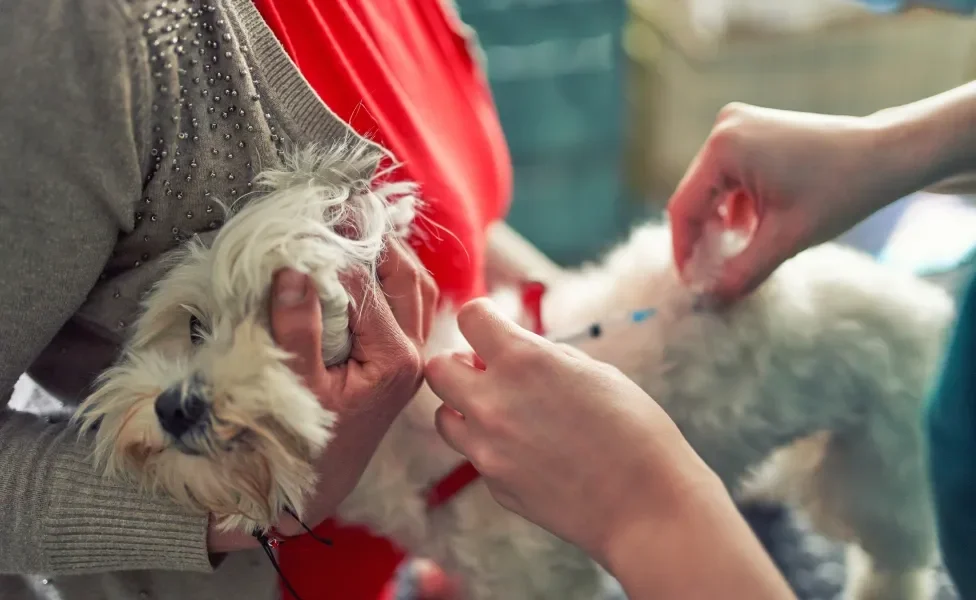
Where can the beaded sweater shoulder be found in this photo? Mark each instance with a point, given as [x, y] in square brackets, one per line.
[126, 125]
[222, 100]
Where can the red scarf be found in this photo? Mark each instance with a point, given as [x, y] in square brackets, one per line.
[400, 72]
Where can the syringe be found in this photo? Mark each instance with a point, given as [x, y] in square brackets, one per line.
[596, 330]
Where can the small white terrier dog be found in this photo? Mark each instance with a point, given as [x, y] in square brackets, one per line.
[809, 391]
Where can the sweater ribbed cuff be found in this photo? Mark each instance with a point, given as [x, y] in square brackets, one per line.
[94, 524]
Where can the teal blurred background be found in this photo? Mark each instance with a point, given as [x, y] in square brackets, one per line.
[557, 72]
[604, 102]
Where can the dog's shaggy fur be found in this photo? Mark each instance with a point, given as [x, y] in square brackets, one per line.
[205, 333]
[808, 391]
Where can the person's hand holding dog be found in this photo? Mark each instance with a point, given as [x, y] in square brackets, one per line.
[529, 426]
[576, 447]
[382, 374]
[793, 179]
[384, 371]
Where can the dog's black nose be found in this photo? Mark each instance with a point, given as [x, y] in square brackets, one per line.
[178, 412]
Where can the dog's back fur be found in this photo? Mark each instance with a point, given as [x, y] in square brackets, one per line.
[808, 391]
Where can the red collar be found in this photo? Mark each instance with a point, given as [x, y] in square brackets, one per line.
[451, 485]
[532, 293]
[465, 474]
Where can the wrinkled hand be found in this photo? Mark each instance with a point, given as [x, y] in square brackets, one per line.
[382, 374]
[791, 179]
[565, 441]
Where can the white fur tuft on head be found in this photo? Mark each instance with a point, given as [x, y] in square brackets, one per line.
[321, 217]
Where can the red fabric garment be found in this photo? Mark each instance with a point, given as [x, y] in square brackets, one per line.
[400, 72]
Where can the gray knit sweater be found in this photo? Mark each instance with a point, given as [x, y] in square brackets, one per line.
[122, 123]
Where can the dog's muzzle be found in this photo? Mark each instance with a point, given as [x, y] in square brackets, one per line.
[181, 410]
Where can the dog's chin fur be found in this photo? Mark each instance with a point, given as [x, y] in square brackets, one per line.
[808, 391]
[253, 459]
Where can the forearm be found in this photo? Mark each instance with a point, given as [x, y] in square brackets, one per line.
[928, 144]
[704, 550]
[221, 542]
[511, 258]
[60, 516]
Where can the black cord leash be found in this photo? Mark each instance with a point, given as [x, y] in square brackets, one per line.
[311, 533]
[269, 543]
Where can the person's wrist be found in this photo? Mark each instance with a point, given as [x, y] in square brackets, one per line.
[660, 555]
[886, 167]
[921, 144]
[663, 537]
[668, 493]
[221, 542]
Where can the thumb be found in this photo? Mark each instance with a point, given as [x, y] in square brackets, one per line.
[296, 322]
[487, 330]
[374, 327]
[694, 203]
[747, 270]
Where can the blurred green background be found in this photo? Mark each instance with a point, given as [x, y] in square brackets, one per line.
[604, 102]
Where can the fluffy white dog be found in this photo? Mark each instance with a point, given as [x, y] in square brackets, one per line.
[809, 391]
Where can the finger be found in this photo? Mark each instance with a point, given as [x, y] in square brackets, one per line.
[296, 322]
[747, 270]
[470, 358]
[488, 331]
[453, 380]
[573, 352]
[692, 205]
[371, 319]
[430, 295]
[399, 277]
[452, 427]
[741, 212]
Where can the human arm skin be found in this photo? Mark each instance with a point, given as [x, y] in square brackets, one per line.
[962, 183]
[652, 514]
[712, 553]
[929, 144]
[807, 178]
[220, 542]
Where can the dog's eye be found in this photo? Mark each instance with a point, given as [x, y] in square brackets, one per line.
[196, 330]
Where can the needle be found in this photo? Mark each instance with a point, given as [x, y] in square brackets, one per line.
[596, 330]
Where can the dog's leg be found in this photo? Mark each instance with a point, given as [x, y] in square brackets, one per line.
[336, 340]
[866, 487]
[868, 580]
